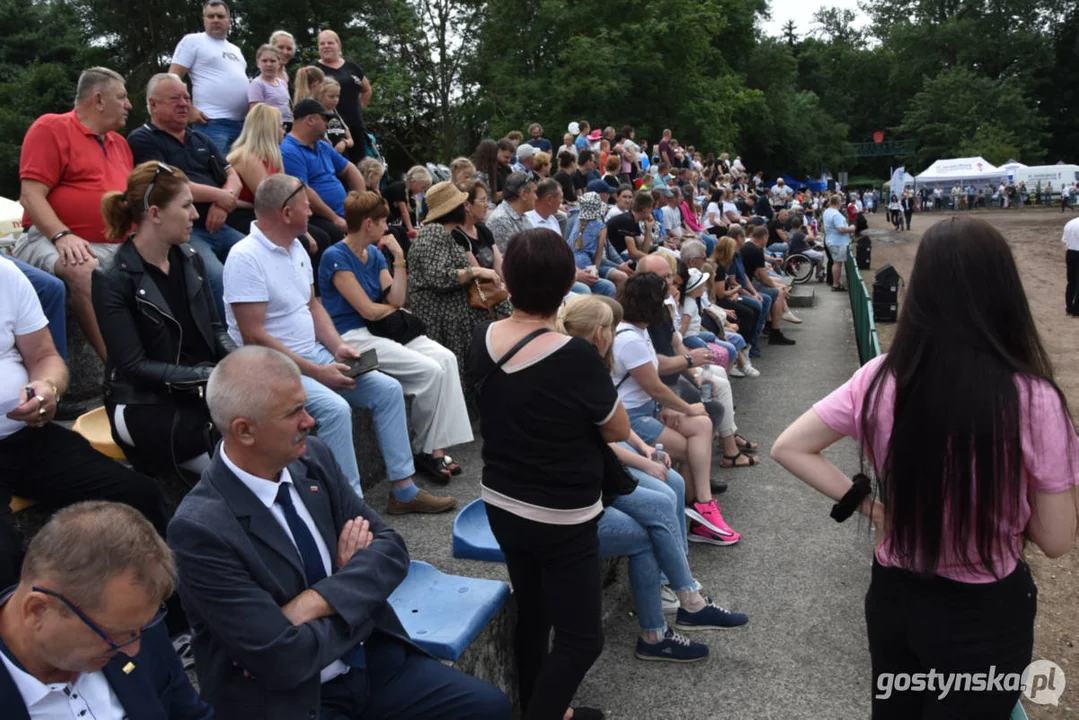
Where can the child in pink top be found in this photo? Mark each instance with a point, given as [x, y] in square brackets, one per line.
[975, 453]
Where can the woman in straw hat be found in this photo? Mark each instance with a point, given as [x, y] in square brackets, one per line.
[441, 271]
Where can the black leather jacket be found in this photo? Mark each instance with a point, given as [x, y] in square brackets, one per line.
[142, 336]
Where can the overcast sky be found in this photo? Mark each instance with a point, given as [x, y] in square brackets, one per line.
[801, 11]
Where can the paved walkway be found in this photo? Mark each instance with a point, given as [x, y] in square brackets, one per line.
[799, 575]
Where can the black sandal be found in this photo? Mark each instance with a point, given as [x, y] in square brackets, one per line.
[449, 464]
[433, 467]
[745, 445]
[733, 460]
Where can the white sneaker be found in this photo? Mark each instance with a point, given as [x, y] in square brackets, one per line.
[670, 600]
[751, 371]
[734, 371]
[791, 317]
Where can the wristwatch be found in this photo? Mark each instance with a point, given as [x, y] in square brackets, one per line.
[689, 360]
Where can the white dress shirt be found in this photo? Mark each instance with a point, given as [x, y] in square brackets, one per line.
[1071, 234]
[266, 491]
[90, 696]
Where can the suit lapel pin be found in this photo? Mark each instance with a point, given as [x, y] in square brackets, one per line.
[314, 488]
[128, 668]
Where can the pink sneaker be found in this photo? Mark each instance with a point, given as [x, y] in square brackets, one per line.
[708, 514]
[703, 534]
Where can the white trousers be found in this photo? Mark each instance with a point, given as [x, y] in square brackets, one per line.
[428, 372]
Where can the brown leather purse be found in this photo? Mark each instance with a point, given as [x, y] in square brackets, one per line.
[484, 295]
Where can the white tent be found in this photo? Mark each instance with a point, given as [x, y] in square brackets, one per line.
[1010, 167]
[961, 170]
[10, 220]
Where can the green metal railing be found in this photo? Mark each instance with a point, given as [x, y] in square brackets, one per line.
[861, 306]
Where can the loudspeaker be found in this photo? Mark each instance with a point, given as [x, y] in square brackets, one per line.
[885, 311]
[887, 275]
[864, 252]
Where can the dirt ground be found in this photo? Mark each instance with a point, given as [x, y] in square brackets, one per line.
[1035, 238]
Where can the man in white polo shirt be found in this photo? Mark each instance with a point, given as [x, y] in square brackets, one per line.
[269, 301]
[218, 76]
[1071, 261]
[548, 201]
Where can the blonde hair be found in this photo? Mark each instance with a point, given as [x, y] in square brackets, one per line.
[327, 83]
[371, 170]
[459, 164]
[306, 79]
[258, 138]
[331, 33]
[267, 48]
[583, 315]
[724, 252]
[540, 161]
[418, 174]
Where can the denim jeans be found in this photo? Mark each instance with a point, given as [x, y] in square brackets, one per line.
[380, 394]
[764, 306]
[213, 248]
[643, 526]
[702, 340]
[709, 242]
[222, 132]
[602, 287]
[52, 295]
[779, 248]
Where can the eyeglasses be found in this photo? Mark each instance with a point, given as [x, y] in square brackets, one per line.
[294, 193]
[161, 167]
[157, 619]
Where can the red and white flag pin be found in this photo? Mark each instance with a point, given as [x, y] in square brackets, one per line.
[314, 488]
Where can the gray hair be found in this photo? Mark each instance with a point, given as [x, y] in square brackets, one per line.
[87, 544]
[516, 184]
[242, 385]
[95, 80]
[692, 250]
[271, 193]
[547, 186]
[151, 86]
[675, 191]
[281, 33]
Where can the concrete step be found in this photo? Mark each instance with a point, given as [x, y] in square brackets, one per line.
[804, 295]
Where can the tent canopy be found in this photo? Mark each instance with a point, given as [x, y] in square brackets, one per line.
[953, 170]
[11, 212]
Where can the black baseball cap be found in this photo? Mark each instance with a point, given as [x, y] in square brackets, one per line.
[309, 106]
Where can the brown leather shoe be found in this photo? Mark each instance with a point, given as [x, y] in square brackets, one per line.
[425, 503]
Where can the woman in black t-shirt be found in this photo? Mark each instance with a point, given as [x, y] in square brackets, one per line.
[473, 235]
[543, 469]
[355, 89]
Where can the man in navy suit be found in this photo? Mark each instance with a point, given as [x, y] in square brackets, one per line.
[285, 572]
[81, 634]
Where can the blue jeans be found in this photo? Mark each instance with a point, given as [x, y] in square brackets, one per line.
[213, 248]
[222, 132]
[779, 248]
[643, 527]
[602, 287]
[380, 394]
[701, 340]
[709, 242]
[736, 341]
[764, 307]
[52, 295]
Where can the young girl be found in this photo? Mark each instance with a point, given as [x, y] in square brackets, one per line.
[590, 247]
[268, 87]
[895, 212]
[308, 83]
[976, 457]
[337, 132]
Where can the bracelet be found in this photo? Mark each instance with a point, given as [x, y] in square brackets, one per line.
[55, 390]
[471, 275]
[400, 264]
[59, 235]
[858, 492]
[689, 360]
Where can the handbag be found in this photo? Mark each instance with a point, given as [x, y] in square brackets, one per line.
[616, 479]
[401, 326]
[484, 295]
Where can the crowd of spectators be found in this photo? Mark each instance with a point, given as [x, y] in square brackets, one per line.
[235, 261]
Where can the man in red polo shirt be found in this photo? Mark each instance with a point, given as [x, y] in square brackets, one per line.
[68, 163]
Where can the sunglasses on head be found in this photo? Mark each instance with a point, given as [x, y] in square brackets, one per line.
[161, 167]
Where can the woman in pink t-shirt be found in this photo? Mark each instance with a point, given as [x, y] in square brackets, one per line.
[974, 453]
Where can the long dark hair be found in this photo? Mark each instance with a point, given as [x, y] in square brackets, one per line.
[964, 333]
[485, 160]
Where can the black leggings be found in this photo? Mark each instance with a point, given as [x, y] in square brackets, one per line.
[556, 580]
[918, 624]
[1071, 290]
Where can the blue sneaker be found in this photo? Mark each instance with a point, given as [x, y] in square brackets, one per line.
[710, 617]
[672, 648]
[755, 352]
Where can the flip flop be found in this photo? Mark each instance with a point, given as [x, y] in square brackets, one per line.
[451, 465]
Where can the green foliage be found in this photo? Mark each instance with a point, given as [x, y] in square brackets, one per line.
[961, 113]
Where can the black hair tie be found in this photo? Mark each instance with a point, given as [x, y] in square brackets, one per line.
[849, 503]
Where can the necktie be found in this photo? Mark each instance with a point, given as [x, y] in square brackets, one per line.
[313, 568]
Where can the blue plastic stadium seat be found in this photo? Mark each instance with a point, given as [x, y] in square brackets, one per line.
[1018, 713]
[472, 536]
[442, 613]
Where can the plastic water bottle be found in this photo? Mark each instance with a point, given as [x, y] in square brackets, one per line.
[706, 390]
[659, 456]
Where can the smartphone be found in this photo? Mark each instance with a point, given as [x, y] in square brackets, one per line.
[365, 363]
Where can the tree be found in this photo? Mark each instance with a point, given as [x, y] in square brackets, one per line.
[790, 34]
[959, 112]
